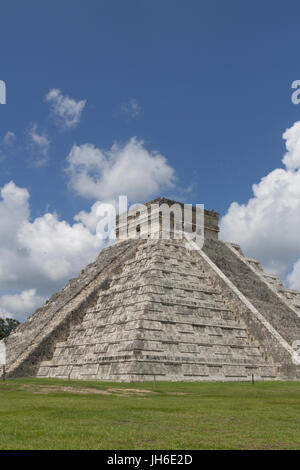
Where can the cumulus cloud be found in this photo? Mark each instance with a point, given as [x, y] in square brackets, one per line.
[90, 218]
[37, 257]
[66, 111]
[268, 226]
[127, 169]
[26, 301]
[55, 248]
[39, 146]
[291, 158]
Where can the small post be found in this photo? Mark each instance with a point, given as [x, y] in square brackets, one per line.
[154, 380]
[252, 379]
[3, 358]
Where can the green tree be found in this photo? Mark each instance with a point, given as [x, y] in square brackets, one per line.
[7, 325]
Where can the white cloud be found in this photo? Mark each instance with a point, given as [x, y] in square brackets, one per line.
[90, 219]
[6, 144]
[55, 248]
[39, 146]
[37, 257]
[268, 226]
[293, 279]
[292, 157]
[129, 169]
[15, 305]
[66, 111]
[9, 138]
[131, 108]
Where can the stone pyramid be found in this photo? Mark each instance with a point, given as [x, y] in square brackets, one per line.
[155, 309]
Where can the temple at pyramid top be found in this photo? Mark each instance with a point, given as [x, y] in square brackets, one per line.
[161, 214]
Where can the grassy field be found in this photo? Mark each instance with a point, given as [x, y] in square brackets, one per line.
[57, 414]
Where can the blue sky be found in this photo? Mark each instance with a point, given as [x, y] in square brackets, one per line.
[206, 84]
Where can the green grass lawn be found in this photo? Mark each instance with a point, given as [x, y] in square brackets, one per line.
[57, 414]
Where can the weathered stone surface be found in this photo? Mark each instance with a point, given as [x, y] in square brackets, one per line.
[154, 308]
[162, 317]
[275, 309]
[35, 339]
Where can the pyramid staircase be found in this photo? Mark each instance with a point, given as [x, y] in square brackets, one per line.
[160, 318]
[290, 295]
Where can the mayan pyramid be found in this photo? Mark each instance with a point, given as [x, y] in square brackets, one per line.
[154, 309]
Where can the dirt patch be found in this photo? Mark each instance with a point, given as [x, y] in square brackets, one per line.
[6, 388]
[85, 390]
[125, 421]
[79, 391]
[129, 390]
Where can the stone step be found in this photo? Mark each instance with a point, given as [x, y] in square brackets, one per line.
[149, 356]
[162, 286]
[162, 300]
[162, 371]
[157, 324]
[207, 350]
[159, 273]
